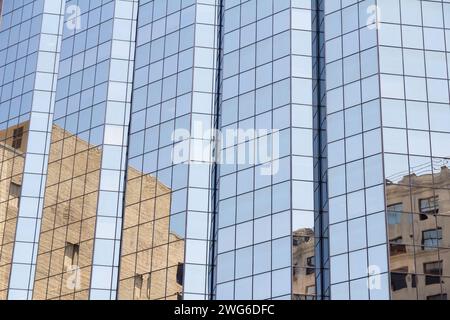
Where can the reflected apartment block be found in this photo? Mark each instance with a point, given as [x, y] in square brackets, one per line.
[114, 183]
[153, 247]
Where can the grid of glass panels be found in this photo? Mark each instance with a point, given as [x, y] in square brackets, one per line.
[29, 50]
[165, 250]
[385, 155]
[265, 215]
[81, 229]
[413, 53]
[357, 231]
[109, 212]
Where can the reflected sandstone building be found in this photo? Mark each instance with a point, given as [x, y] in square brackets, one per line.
[151, 263]
[419, 235]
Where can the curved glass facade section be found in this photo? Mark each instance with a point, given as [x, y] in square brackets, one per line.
[357, 219]
[387, 94]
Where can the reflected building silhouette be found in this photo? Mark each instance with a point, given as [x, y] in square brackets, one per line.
[418, 215]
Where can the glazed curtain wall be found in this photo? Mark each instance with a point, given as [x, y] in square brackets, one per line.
[30, 39]
[79, 247]
[266, 220]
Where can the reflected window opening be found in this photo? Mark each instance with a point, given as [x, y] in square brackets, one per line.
[395, 213]
[310, 265]
[17, 138]
[442, 296]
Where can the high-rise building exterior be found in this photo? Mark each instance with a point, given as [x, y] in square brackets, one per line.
[224, 149]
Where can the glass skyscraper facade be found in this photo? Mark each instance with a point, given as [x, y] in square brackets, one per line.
[224, 149]
[168, 208]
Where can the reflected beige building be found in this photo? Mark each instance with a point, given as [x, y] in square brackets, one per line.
[13, 142]
[95, 202]
[304, 273]
[419, 235]
[152, 256]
